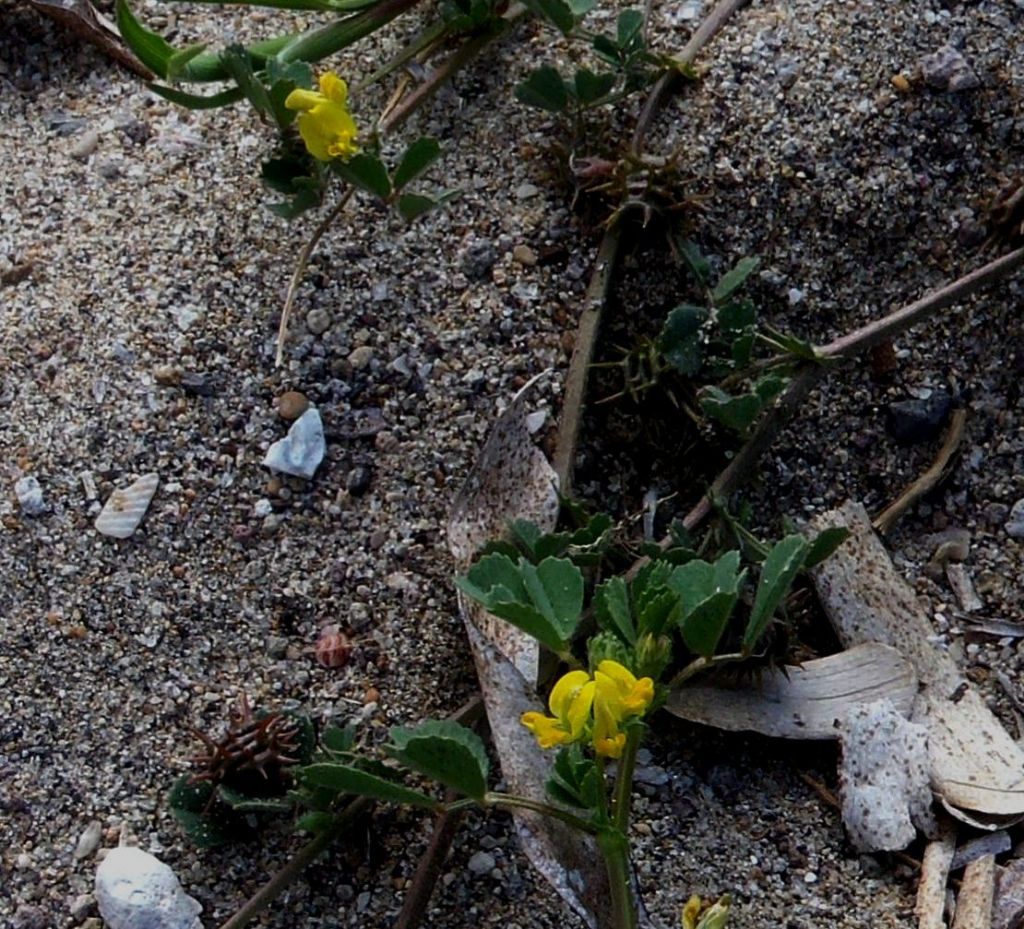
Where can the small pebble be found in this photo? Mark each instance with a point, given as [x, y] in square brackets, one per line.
[89, 840]
[482, 863]
[125, 507]
[913, 421]
[30, 496]
[947, 69]
[1015, 521]
[86, 145]
[360, 357]
[167, 375]
[524, 255]
[318, 321]
[358, 480]
[526, 191]
[198, 385]
[292, 404]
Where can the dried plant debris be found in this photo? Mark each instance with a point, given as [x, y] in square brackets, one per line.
[511, 480]
[801, 702]
[975, 766]
[884, 778]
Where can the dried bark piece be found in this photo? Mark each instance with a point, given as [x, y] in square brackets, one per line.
[976, 768]
[805, 701]
[931, 888]
[974, 902]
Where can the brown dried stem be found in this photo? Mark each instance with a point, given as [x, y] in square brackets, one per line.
[604, 264]
[843, 349]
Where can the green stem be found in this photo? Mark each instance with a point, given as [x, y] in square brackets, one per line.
[615, 848]
[424, 40]
[534, 806]
[624, 779]
[699, 665]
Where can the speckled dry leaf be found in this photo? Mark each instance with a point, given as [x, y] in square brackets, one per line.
[511, 480]
[569, 860]
[804, 702]
[976, 769]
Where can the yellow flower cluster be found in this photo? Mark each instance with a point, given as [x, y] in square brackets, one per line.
[325, 124]
[592, 709]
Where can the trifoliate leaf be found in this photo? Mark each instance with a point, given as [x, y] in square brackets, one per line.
[446, 752]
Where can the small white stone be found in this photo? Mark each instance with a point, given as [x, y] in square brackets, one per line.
[318, 321]
[134, 890]
[300, 452]
[30, 496]
[89, 840]
[124, 509]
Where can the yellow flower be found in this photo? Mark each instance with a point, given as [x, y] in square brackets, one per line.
[619, 696]
[624, 694]
[325, 124]
[570, 701]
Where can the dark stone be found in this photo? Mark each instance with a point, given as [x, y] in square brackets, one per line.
[911, 422]
[358, 481]
[198, 385]
[478, 260]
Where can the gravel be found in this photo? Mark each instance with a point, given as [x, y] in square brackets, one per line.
[134, 259]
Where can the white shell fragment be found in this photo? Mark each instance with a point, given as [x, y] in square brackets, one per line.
[300, 452]
[125, 507]
[134, 890]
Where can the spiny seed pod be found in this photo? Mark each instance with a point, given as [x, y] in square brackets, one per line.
[253, 755]
[333, 649]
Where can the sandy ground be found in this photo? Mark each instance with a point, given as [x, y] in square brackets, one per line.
[148, 247]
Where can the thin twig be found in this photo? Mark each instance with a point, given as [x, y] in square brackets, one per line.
[928, 480]
[421, 887]
[931, 886]
[601, 277]
[302, 859]
[843, 349]
[300, 269]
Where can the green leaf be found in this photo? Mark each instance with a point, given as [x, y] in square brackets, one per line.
[656, 612]
[591, 87]
[177, 62]
[413, 206]
[799, 348]
[769, 387]
[734, 279]
[417, 159]
[367, 172]
[606, 49]
[695, 261]
[151, 49]
[708, 594]
[575, 780]
[243, 803]
[612, 607]
[198, 101]
[544, 88]
[528, 533]
[445, 751]
[544, 601]
[777, 573]
[737, 413]
[315, 822]
[345, 779]
[824, 545]
[338, 739]
[207, 825]
[680, 339]
[556, 11]
[736, 315]
[580, 8]
[629, 30]
[237, 63]
[741, 349]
